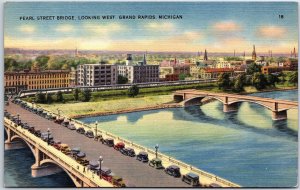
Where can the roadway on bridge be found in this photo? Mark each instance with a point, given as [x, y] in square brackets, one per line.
[133, 172]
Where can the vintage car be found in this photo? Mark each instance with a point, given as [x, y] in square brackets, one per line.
[80, 158]
[38, 133]
[44, 114]
[98, 138]
[71, 127]
[191, 178]
[117, 181]
[65, 123]
[31, 129]
[109, 142]
[39, 111]
[93, 165]
[143, 157]
[46, 136]
[156, 163]
[56, 144]
[89, 134]
[119, 146]
[64, 148]
[34, 110]
[24, 125]
[173, 171]
[75, 151]
[59, 120]
[80, 130]
[128, 152]
[51, 117]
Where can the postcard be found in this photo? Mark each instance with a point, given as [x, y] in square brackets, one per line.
[151, 94]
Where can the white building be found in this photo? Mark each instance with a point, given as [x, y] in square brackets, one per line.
[97, 74]
[223, 64]
[139, 73]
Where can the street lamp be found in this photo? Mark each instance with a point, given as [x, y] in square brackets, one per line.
[96, 124]
[156, 148]
[100, 162]
[58, 112]
[18, 115]
[48, 133]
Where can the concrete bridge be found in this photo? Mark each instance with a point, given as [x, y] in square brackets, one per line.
[49, 160]
[231, 101]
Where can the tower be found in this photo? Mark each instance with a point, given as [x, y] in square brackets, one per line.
[144, 60]
[294, 52]
[254, 53]
[233, 53]
[205, 55]
[129, 59]
[244, 55]
[76, 52]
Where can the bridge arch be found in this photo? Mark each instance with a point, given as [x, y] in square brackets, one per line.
[16, 137]
[197, 99]
[50, 161]
[254, 102]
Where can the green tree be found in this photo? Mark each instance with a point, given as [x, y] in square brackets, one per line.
[253, 68]
[294, 78]
[224, 81]
[49, 98]
[76, 93]
[87, 95]
[59, 96]
[133, 91]
[239, 83]
[122, 79]
[272, 79]
[182, 76]
[259, 81]
[42, 61]
[40, 97]
[10, 64]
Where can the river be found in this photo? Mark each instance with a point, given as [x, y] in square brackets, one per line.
[246, 146]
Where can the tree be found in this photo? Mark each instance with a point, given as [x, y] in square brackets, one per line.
[42, 61]
[10, 64]
[133, 91]
[49, 98]
[272, 79]
[224, 81]
[182, 76]
[40, 97]
[87, 95]
[122, 79]
[259, 81]
[59, 96]
[239, 83]
[253, 68]
[76, 93]
[294, 78]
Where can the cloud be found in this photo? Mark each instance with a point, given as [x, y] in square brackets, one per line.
[27, 29]
[64, 28]
[104, 29]
[226, 26]
[164, 26]
[271, 31]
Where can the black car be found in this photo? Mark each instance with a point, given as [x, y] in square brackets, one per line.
[80, 130]
[44, 114]
[71, 127]
[44, 137]
[31, 129]
[143, 157]
[173, 171]
[128, 152]
[89, 134]
[75, 151]
[191, 178]
[38, 133]
[65, 123]
[93, 165]
[24, 125]
[39, 111]
[109, 142]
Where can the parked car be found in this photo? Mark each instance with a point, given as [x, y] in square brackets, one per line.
[71, 127]
[44, 136]
[118, 181]
[59, 120]
[143, 157]
[109, 142]
[75, 151]
[93, 165]
[119, 146]
[156, 163]
[64, 148]
[44, 114]
[80, 130]
[80, 158]
[39, 111]
[31, 129]
[65, 123]
[191, 178]
[89, 134]
[105, 171]
[98, 138]
[128, 152]
[56, 144]
[38, 133]
[173, 171]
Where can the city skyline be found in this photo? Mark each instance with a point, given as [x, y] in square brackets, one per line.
[217, 27]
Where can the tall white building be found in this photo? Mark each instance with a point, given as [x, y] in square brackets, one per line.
[140, 72]
[97, 74]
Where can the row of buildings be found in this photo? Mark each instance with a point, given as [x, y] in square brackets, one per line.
[140, 72]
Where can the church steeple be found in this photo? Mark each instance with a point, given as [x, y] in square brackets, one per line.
[205, 55]
[254, 53]
[144, 60]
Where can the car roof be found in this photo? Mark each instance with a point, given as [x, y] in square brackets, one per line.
[192, 175]
[156, 159]
[174, 167]
[143, 153]
[81, 154]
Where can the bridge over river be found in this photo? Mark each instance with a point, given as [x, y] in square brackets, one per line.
[49, 160]
[230, 101]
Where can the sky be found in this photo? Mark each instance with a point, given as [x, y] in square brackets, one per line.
[215, 26]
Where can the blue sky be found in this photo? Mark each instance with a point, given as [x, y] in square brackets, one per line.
[218, 27]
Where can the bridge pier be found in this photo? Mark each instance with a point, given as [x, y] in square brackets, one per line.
[279, 115]
[230, 107]
[40, 171]
[8, 145]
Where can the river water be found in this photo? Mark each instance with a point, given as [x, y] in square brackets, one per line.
[246, 146]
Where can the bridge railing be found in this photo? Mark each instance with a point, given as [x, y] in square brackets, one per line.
[166, 160]
[60, 158]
